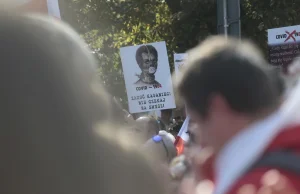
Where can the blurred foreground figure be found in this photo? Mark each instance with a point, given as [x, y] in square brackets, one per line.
[51, 106]
[233, 97]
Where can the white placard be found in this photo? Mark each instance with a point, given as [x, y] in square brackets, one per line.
[53, 8]
[179, 60]
[49, 6]
[284, 46]
[147, 77]
[284, 35]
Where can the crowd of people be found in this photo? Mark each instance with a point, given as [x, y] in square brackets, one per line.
[62, 133]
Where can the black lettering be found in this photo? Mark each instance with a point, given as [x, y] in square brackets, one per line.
[141, 88]
[280, 36]
[140, 97]
[143, 102]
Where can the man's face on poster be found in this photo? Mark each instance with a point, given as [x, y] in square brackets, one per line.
[149, 65]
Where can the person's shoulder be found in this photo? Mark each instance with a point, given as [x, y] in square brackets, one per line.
[255, 178]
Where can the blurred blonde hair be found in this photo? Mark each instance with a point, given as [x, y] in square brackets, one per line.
[51, 104]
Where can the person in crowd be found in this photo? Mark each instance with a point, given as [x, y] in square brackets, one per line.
[181, 167]
[145, 128]
[161, 147]
[161, 150]
[165, 119]
[231, 95]
[175, 126]
[52, 107]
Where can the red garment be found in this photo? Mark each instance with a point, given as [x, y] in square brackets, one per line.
[288, 138]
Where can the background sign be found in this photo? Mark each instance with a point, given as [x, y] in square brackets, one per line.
[179, 60]
[147, 77]
[284, 45]
[50, 7]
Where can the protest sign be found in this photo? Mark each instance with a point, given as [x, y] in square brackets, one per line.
[179, 60]
[147, 77]
[50, 7]
[284, 45]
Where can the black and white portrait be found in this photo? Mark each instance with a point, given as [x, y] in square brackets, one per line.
[147, 59]
[147, 77]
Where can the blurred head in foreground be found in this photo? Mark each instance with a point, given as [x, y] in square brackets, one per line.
[226, 86]
[51, 106]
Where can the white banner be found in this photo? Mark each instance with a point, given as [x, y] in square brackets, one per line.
[53, 8]
[50, 7]
[179, 60]
[147, 77]
[284, 46]
[284, 35]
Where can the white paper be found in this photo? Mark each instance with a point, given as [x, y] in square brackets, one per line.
[145, 94]
[53, 8]
[284, 35]
[179, 60]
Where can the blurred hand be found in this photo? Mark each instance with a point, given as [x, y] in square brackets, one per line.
[271, 183]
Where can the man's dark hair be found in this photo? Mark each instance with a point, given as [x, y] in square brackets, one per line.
[231, 68]
[145, 49]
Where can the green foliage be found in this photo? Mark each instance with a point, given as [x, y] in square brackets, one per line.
[259, 16]
[107, 25]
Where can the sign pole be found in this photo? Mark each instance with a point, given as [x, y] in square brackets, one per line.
[225, 18]
[228, 18]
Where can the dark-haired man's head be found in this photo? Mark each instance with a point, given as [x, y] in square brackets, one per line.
[226, 86]
[147, 57]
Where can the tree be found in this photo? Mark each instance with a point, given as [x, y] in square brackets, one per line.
[259, 16]
[107, 25]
